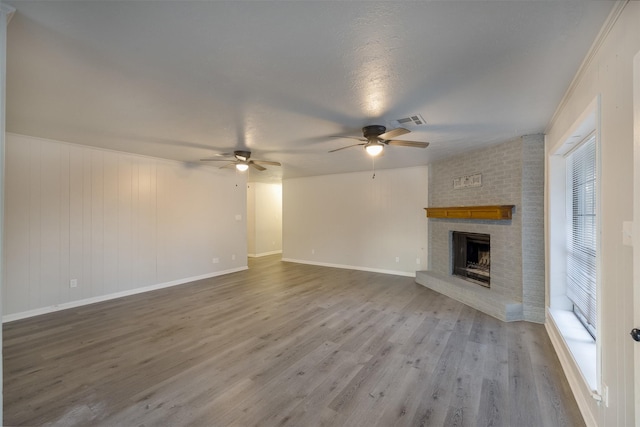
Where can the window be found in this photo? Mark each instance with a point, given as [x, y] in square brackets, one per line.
[573, 229]
[581, 239]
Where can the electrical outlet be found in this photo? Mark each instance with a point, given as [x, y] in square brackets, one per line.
[73, 283]
[397, 259]
[313, 251]
[418, 261]
[215, 260]
[233, 257]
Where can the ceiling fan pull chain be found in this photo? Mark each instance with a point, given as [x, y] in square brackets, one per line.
[373, 167]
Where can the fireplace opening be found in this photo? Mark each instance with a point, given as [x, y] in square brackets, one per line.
[472, 257]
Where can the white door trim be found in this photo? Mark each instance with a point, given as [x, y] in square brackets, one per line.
[636, 230]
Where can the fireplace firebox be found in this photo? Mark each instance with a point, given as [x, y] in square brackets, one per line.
[472, 257]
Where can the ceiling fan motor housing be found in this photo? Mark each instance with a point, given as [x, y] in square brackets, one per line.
[373, 131]
[242, 155]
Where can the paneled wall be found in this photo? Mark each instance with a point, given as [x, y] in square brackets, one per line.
[353, 221]
[115, 222]
[608, 74]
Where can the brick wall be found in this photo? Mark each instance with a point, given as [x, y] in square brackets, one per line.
[512, 174]
[533, 228]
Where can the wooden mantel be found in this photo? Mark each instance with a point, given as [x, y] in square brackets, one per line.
[496, 212]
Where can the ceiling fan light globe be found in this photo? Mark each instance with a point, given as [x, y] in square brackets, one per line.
[242, 167]
[374, 149]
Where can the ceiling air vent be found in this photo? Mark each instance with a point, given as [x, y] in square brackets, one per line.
[415, 120]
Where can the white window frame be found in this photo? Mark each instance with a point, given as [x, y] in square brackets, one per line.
[585, 350]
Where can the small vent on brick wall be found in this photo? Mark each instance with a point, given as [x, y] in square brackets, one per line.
[414, 120]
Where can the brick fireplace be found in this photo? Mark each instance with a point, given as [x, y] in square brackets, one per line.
[512, 173]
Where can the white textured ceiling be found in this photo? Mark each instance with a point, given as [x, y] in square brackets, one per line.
[184, 80]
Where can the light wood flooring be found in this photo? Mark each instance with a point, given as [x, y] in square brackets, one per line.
[283, 344]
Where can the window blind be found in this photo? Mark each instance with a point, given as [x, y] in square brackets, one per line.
[581, 256]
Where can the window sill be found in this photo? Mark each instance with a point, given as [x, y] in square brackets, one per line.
[580, 343]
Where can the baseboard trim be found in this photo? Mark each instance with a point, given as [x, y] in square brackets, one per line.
[73, 304]
[264, 254]
[351, 267]
[571, 371]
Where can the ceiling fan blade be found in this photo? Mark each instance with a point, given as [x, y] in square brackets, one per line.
[265, 162]
[348, 146]
[214, 160]
[394, 133]
[228, 166]
[256, 166]
[359, 138]
[408, 143]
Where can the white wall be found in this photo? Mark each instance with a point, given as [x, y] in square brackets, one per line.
[354, 221]
[264, 218]
[609, 74]
[116, 222]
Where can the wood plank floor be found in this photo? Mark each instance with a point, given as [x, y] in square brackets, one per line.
[283, 344]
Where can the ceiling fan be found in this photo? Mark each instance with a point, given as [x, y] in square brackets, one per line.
[242, 161]
[376, 137]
